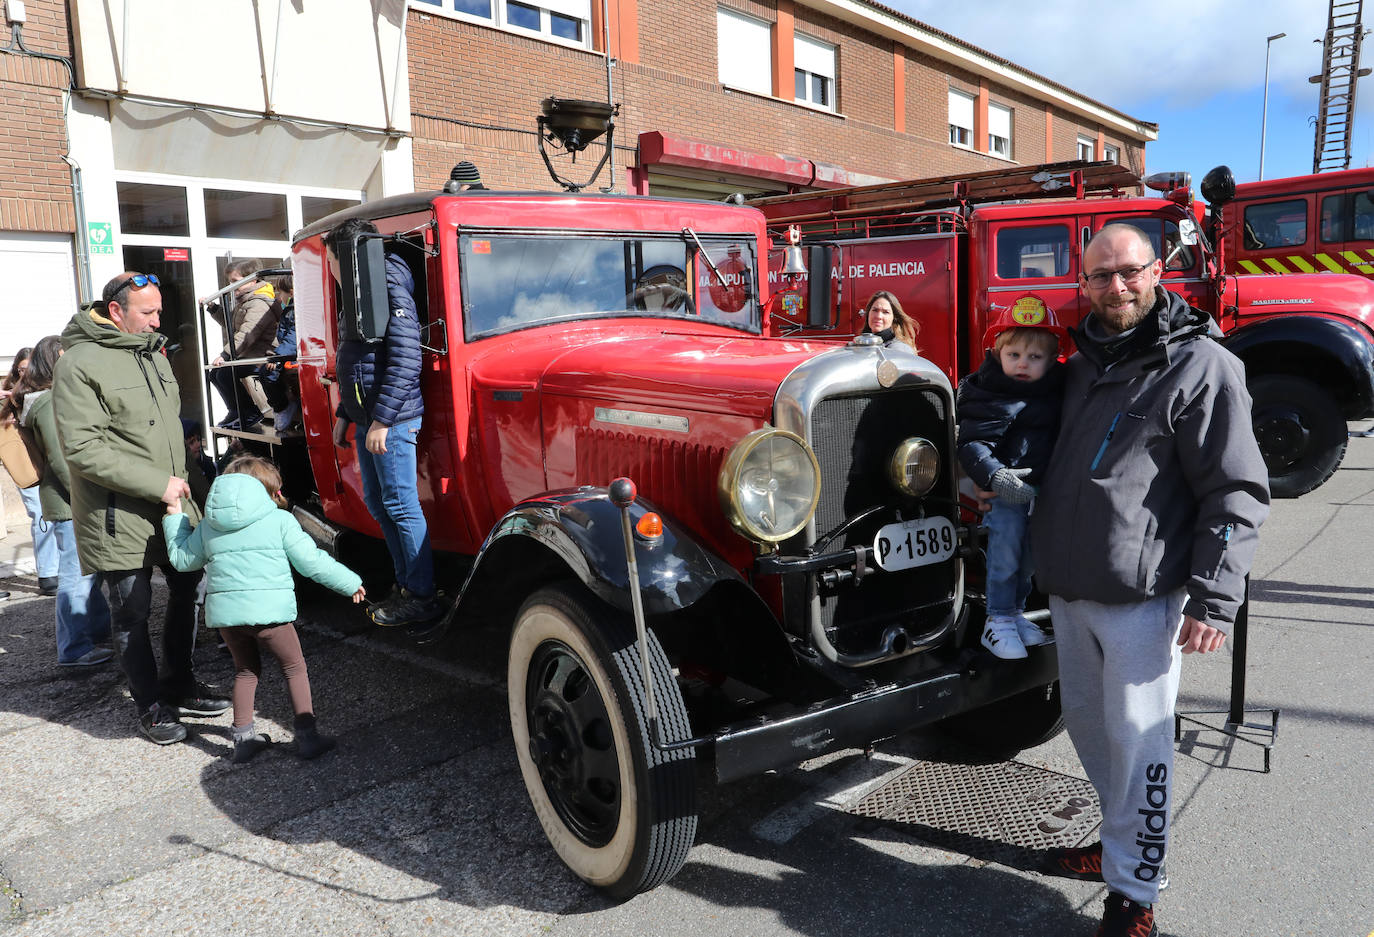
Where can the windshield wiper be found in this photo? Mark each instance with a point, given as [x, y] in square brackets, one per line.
[688, 232]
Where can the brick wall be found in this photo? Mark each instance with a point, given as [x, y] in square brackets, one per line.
[470, 102]
[35, 183]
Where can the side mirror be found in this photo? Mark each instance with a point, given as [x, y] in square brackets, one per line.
[1219, 186]
[363, 304]
[1187, 230]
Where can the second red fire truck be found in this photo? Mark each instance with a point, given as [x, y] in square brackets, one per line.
[957, 251]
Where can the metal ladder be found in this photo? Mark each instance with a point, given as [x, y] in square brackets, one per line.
[1340, 71]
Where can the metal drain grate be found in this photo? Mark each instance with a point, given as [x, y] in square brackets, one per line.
[990, 812]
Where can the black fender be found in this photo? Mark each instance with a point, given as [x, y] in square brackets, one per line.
[581, 529]
[1335, 354]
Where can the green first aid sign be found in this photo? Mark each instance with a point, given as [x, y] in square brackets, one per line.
[101, 237]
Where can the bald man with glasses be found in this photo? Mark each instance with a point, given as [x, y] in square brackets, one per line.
[1143, 534]
[118, 420]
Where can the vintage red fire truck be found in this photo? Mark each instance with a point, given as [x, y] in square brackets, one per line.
[1323, 223]
[957, 251]
[702, 536]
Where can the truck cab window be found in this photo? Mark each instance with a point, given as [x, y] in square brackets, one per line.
[1333, 219]
[1164, 237]
[1039, 252]
[1276, 224]
[1364, 217]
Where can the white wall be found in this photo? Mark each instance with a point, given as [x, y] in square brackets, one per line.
[333, 61]
[40, 289]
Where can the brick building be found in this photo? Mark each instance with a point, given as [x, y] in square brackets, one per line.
[133, 138]
[751, 95]
[38, 214]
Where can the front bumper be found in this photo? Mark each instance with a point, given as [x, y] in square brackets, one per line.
[791, 735]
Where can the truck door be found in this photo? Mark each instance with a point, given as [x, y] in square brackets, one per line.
[921, 271]
[1022, 256]
[1345, 232]
[1183, 270]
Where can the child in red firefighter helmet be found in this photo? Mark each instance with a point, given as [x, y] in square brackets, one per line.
[1008, 419]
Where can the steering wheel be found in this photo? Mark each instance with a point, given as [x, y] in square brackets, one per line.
[661, 288]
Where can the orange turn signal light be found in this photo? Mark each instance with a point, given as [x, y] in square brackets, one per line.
[650, 525]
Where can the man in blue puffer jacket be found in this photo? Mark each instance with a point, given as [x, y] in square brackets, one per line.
[379, 387]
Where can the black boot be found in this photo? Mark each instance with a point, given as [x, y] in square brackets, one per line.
[309, 742]
[47, 585]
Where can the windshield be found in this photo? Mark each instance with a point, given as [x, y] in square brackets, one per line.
[514, 281]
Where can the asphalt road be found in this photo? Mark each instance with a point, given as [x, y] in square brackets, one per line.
[419, 823]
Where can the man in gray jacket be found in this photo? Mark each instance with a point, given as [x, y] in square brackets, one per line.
[1143, 534]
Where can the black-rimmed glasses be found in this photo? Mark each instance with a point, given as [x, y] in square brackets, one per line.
[1127, 274]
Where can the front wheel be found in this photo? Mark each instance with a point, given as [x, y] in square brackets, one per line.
[1301, 432]
[620, 813]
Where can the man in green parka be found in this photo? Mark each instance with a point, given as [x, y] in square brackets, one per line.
[118, 418]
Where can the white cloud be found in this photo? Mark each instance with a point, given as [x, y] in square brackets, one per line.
[1135, 56]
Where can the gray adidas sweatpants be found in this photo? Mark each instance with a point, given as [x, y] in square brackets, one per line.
[1118, 673]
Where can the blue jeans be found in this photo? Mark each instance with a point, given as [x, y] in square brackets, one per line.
[1009, 558]
[44, 543]
[393, 500]
[83, 615]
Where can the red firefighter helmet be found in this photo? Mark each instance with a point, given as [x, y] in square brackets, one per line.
[1027, 312]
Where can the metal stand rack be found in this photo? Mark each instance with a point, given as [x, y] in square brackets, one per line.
[1254, 733]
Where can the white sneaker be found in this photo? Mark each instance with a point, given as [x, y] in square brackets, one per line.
[1000, 637]
[1030, 633]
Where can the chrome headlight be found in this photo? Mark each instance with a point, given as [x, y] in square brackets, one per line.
[914, 466]
[769, 485]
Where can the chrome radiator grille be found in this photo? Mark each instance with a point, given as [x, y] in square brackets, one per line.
[854, 436]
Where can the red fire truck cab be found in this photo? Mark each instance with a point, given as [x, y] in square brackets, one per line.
[956, 251]
[1322, 223]
[700, 534]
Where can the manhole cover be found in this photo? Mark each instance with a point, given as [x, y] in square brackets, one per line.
[991, 812]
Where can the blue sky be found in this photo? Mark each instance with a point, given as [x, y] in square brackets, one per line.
[1195, 68]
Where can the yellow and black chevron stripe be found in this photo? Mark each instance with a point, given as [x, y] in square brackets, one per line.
[1334, 262]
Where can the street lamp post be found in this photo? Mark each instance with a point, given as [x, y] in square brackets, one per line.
[1264, 114]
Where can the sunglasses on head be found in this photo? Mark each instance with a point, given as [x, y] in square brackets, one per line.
[137, 281]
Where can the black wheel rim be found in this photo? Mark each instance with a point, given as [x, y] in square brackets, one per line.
[571, 743]
[1283, 436]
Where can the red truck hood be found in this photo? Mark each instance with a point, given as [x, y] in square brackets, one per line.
[1338, 294]
[668, 369]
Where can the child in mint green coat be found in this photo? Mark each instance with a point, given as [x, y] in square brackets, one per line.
[248, 548]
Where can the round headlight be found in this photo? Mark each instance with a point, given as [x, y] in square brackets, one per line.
[770, 484]
[914, 467]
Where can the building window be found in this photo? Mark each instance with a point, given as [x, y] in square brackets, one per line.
[146, 208]
[815, 71]
[1087, 148]
[253, 215]
[313, 208]
[999, 130]
[960, 118]
[1112, 154]
[745, 51]
[563, 21]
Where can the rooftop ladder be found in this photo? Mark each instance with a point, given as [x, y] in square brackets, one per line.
[1340, 71]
